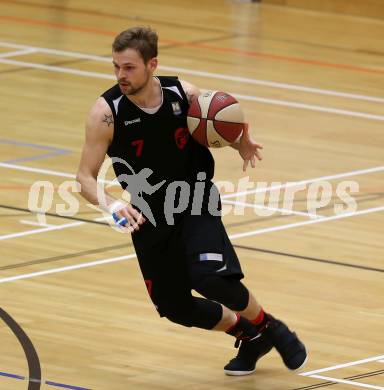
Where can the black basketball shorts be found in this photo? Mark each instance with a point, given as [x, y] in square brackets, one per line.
[173, 259]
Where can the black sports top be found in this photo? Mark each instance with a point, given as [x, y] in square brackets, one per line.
[158, 141]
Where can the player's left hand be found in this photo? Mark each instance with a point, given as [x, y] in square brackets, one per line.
[248, 149]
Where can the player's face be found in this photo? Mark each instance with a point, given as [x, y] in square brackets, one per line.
[131, 72]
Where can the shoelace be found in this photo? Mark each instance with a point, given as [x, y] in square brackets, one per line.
[239, 340]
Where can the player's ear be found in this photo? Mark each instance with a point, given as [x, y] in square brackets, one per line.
[152, 64]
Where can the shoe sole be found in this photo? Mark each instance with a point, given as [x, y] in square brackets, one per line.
[242, 373]
[239, 373]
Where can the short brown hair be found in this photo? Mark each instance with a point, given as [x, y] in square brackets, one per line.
[142, 39]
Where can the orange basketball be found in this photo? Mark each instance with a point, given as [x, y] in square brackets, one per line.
[215, 119]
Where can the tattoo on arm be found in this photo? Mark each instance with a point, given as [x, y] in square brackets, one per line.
[108, 119]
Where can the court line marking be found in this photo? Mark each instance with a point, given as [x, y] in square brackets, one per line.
[310, 107]
[304, 223]
[283, 211]
[13, 376]
[273, 84]
[57, 69]
[223, 196]
[36, 157]
[18, 53]
[307, 181]
[246, 80]
[37, 170]
[45, 171]
[232, 237]
[239, 235]
[336, 367]
[64, 53]
[42, 381]
[347, 382]
[276, 102]
[53, 152]
[314, 373]
[48, 229]
[201, 45]
[67, 268]
[30, 353]
[42, 230]
[33, 223]
[8, 141]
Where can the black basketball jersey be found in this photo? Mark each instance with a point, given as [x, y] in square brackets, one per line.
[159, 141]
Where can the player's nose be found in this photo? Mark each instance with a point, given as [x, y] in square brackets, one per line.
[121, 74]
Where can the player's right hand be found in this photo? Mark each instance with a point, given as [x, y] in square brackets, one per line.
[126, 217]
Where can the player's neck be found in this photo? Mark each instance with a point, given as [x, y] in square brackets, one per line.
[150, 96]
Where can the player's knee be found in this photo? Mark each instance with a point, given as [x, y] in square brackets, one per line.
[179, 316]
[229, 292]
[201, 313]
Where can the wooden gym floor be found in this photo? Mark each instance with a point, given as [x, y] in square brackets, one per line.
[75, 312]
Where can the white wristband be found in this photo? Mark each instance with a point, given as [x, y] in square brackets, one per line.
[116, 206]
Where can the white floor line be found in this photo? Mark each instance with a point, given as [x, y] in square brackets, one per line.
[18, 53]
[64, 53]
[262, 207]
[67, 268]
[37, 170]
[304, 223]
[232, 237]
[57, 69]
[42, 230]
[277, 102]
[273, 84]
[224, 196]
[48, 228]
[114, 259]
[349, 364]
[33, 223]
[238, 79]
[256, 232]
[311, 107]
[307, 181]
[347, 382]
[45, 171]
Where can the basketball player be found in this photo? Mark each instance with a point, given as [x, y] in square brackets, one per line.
[142, 121]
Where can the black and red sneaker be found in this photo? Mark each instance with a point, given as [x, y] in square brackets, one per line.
[250, 351]
[290, 348]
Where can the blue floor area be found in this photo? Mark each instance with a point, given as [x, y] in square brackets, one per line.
[49, 383]
[49, 151]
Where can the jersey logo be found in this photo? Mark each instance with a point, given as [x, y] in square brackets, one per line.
[176, 108]
[137, 120]
[181, 137]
